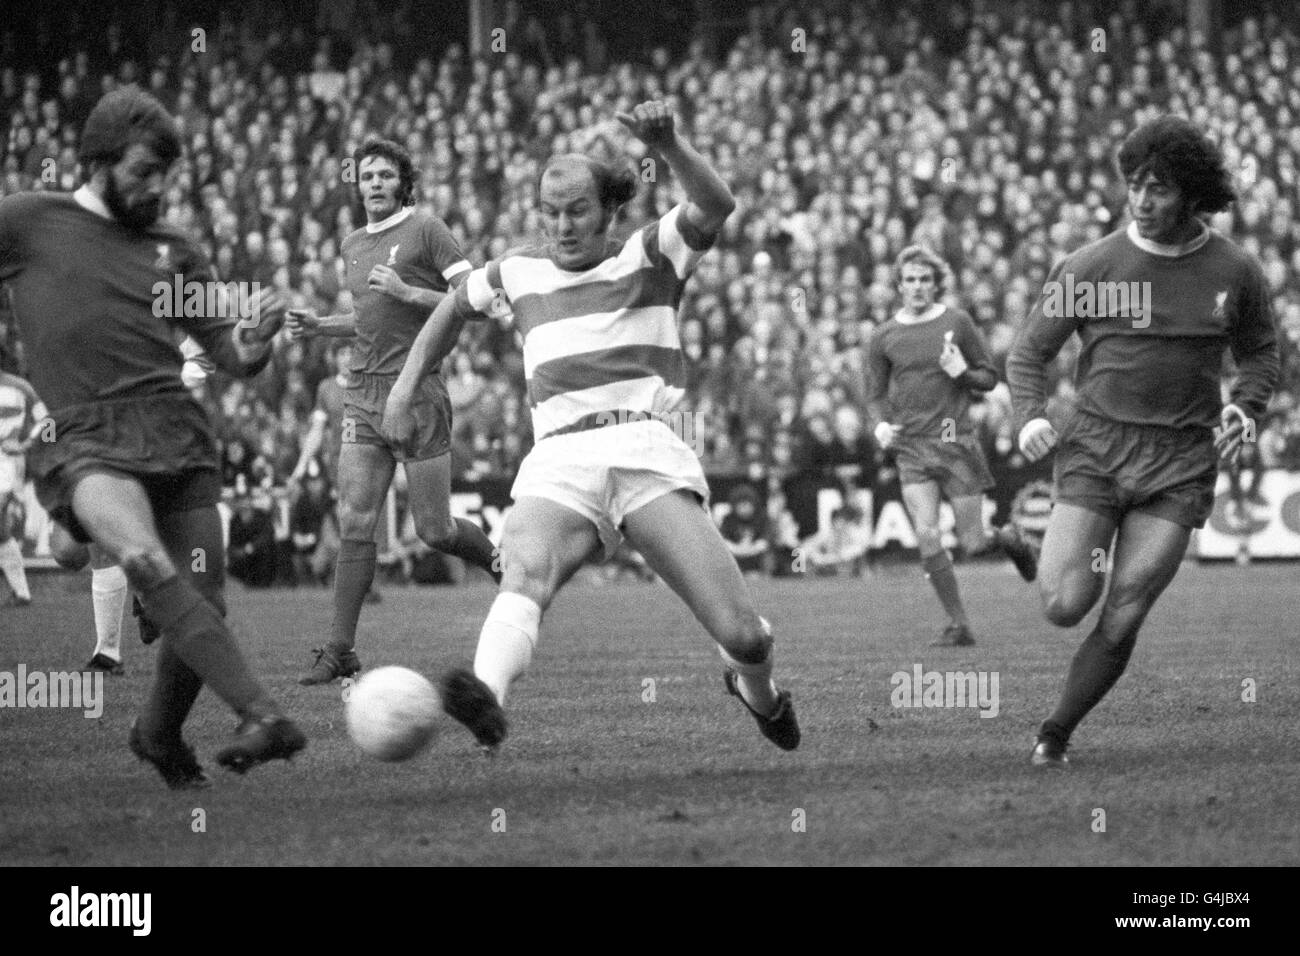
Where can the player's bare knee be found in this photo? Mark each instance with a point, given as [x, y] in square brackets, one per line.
[741, 634]
[437, 534]
[1134, 592]
[357, 524]
[928, 540]
[145, 568]
[1066, 606]
[531, 571]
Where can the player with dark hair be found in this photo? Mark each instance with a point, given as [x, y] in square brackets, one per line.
[400, 265]
[133, 466]
[604, 369]
[924, 363]
[1136, 459]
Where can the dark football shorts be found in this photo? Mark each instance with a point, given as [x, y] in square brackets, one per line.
[959, 467]
[1112, 468]
[363, 413]
[163, 441]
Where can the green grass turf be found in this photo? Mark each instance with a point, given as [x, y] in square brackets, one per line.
[1185, 771]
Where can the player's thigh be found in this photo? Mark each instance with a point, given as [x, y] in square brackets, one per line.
[1072, 565]
[1148, 552]
[922, 499]
[968, 516]
[365, 472]
[428, 484]
[542, 546]
[115, 511]
[683, 546]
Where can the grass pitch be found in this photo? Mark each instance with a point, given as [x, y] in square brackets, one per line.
[625, 749]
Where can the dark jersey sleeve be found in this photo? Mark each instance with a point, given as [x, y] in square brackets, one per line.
[877, 378]
[980, 373]
[1038, 343]
[214, 333]
[440, 246]
[1252, 338]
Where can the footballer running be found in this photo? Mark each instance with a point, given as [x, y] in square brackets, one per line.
[924, 363]
[400, 265]
[1136, 460]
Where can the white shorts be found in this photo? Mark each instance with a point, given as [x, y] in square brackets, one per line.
[607, 473]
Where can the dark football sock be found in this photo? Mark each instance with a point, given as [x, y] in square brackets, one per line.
[352, 579]
[175, 688]
[200, 639]
[938, 568]
[472, 545]
[1095, 669]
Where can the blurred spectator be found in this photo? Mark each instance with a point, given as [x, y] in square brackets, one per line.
[745, 531]
[841, 548]
[251, 552]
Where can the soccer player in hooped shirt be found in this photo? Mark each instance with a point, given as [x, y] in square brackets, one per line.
[1136, 459]
[133, 463]
[400, 266]
[20, 411]
[923, 364]
[604, 367]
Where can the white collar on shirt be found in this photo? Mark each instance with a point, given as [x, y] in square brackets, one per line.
[393, 220]
[87, 199]
[907, 318]
[1160, 249]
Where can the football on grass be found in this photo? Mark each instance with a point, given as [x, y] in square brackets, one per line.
[393, 713]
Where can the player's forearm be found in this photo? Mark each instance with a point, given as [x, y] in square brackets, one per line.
[703, 185]
[1257, 375]
[425, 298]
[341, 325]
[432, 344]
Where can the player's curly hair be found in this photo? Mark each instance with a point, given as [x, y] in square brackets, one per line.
[615, 184]
[122, 118]
[1178, 153]
[399, 157]
[926, 257]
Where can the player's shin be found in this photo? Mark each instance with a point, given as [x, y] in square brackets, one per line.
[11, 563]
[1096, 666]
[201, 639]
[108, 596]
[939, 571]
[472, 545]
[353, 576]
[506, 643]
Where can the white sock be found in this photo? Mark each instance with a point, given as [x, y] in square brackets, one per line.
[754, 681]
[11, 563]
[108, 594]
[505, 645]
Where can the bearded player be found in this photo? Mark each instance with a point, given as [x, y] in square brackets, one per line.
[1136, 460]
[133, 464]
[400, 266]
[924, 364]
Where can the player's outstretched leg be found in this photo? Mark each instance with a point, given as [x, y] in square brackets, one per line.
[429, 482]
[544, 544]
[682, 545]
[922, 501]
[365, 472]
[118, 515]
[108, 597]
[1147, 554]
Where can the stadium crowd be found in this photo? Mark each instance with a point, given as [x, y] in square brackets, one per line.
[846, 132]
